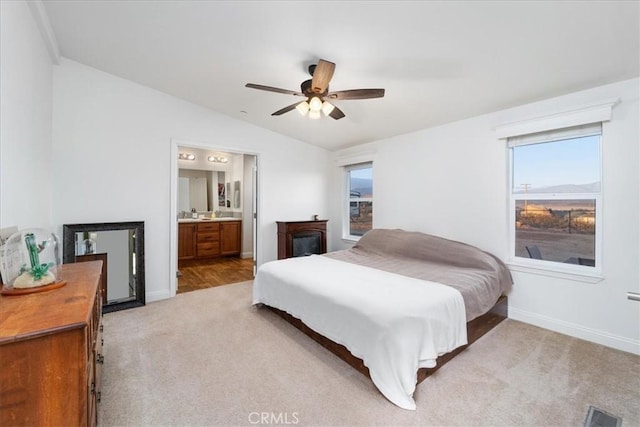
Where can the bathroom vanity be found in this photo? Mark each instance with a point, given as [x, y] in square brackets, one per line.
[209, 238]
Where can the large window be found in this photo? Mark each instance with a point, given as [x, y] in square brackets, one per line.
[555, 198]
[358, 217]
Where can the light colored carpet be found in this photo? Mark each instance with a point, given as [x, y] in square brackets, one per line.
[209, 358]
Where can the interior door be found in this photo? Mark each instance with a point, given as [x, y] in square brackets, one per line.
[254, 199]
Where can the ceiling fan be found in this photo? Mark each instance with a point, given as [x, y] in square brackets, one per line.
[316, 92]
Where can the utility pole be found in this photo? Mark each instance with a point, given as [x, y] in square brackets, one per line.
[526, 190]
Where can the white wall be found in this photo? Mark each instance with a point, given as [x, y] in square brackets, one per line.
[25, 117]
[112, 160]
[452, 181]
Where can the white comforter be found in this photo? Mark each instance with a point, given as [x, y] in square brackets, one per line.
[395, 324]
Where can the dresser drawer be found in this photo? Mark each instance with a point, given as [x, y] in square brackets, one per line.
[208, 249]
[212, 236]
[208, 226]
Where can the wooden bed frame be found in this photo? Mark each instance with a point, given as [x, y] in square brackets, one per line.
[477, 328]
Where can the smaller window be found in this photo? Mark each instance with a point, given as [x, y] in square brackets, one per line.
[358, 211]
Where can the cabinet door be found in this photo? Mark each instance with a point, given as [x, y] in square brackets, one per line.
[186, 241]
[230, 237]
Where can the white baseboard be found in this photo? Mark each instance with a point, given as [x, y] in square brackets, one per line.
[577, 331]
[245, 255]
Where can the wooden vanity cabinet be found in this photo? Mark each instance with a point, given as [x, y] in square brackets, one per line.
[50, 352]
[186, 240]
[230, 237]
[209, 239]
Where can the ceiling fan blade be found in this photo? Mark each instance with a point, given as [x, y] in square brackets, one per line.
[356, 94]
[273, 89]
[285, 109]
[322, 76]
[336, 113]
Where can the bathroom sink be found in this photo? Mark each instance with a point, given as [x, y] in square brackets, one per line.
[208, 219]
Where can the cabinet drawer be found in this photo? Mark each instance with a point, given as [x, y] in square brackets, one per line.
[213, 236]
[208, 226]
[208, 249]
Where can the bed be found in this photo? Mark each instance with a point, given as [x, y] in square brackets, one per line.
[396, 306]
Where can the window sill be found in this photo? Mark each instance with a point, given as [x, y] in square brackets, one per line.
[561, 273]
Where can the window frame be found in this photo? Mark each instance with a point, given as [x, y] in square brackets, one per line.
[553, 268]
[347, 199]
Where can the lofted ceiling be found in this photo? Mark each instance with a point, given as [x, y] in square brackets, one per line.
[439, 61]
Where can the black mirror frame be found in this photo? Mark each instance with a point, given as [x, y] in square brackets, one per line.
[69, 253]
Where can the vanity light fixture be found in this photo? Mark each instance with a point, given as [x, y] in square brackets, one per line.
[217, 159]
[186, 156]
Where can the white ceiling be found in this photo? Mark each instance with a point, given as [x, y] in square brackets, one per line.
[438, 61]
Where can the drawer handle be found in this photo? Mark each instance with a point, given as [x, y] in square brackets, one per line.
[93, 388]
[101, 341]
[99, 398]
[101, 327]
[100, 359]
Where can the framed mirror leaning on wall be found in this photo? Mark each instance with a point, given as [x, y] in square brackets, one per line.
[120, 247]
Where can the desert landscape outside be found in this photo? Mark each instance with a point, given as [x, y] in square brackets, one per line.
[360, 200]
[556, 230]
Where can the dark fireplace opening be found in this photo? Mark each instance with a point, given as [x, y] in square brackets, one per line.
[305, 244]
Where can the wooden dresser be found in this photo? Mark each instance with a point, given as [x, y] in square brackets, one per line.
[50, 352]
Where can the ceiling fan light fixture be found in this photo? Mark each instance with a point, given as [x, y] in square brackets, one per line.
[315, 90]
[315, 104]
[327, 108]
[314, 114]
[303, 108]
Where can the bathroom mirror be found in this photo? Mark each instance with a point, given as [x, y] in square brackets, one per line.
[120, 246]
[202, 190]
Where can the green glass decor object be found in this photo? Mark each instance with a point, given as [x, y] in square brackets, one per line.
[29, 259]
[37, 270]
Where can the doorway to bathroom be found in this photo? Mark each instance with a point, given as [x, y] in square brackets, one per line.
[201, 274]
[214, 211]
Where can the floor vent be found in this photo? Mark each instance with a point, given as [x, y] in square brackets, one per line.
[599, 418]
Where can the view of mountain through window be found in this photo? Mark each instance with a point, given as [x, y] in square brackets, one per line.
[567, 166]
[555, 187]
